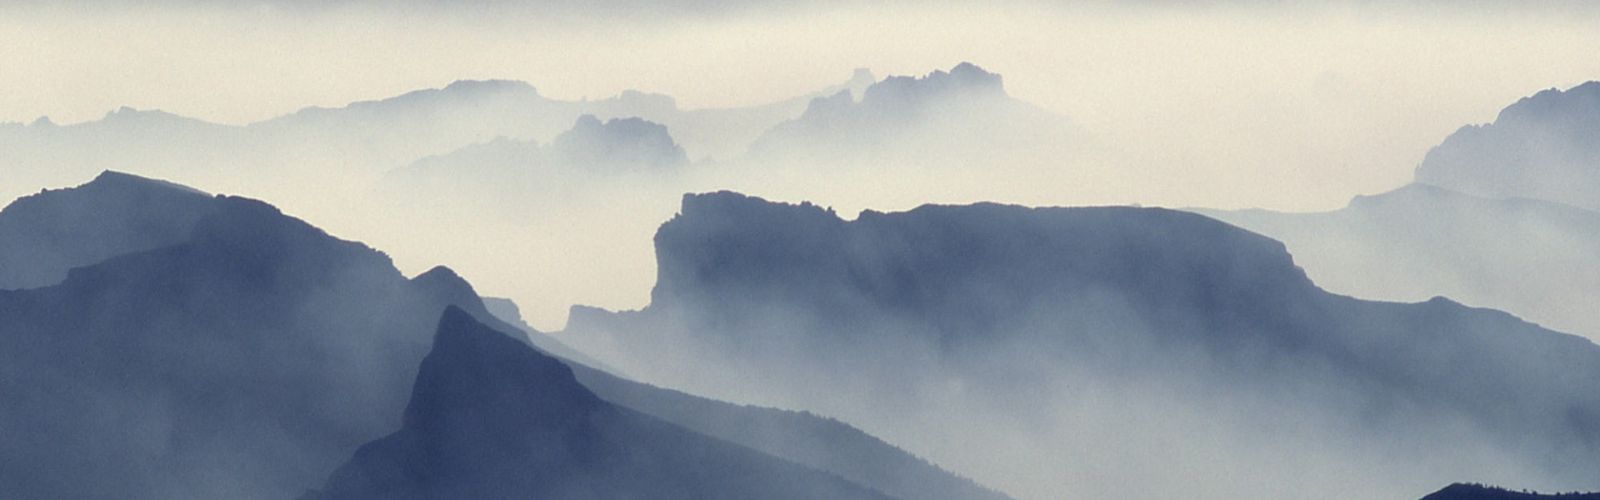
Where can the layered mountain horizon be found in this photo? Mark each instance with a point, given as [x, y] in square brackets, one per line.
[248, 353]
[916, 286]
[962, 306]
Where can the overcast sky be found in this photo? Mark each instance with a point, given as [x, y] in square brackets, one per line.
[1300, 105]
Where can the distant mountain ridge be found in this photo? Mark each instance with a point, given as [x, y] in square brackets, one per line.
[1542, 146]
[357, 141]
[1523, 255]
[963, 110]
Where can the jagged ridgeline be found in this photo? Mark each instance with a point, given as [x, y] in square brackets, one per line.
[157, 342]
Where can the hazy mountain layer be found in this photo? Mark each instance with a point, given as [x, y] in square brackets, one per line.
[1525, 256]
[964, 112]
[1543, 146]
[351, 145]
[950, 329]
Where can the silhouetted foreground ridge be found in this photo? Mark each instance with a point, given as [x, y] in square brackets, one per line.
[491, 418]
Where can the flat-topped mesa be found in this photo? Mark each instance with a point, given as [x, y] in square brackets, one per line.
[728, 248]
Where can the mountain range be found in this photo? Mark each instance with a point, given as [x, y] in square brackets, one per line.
[1522, 255]
[243, 353]
[1015, 313]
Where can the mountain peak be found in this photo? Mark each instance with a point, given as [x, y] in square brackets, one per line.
[45, 234]
[965, 79]
[618, 142]
[475, 86]
[1578, 101]
[1542, 146]
[475, 369]
[115, 179]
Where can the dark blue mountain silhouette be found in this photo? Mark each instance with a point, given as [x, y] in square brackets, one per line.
[999, 298]
[491, 418]
[1539, 147]
[245, 355]
[243, 362]
[1462, 491]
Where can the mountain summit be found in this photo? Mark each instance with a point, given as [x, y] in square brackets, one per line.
[1542, 147]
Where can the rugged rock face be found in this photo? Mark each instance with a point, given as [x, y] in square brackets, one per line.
[490, 418]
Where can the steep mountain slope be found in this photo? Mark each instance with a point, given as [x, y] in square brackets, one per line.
[490, 418]
[991, 323]
[1542, 147]
[1526, 256]
[1461, 491]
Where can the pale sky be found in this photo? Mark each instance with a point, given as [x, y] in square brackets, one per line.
[1293, 106]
